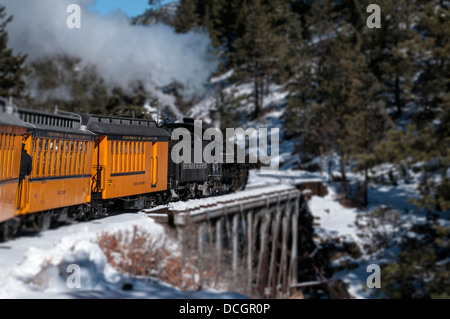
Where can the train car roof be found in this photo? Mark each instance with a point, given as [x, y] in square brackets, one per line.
[189, 125]
[60, 125]
[10, 117]
[117, 126]
[13, 120]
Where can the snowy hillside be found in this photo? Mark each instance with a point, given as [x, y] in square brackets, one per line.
[377, 231]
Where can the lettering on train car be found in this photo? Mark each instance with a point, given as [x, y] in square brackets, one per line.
[139, 183]
[135, 138]
[195, 165]
[66, 136]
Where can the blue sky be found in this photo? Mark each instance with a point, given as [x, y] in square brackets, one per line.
[130, 7]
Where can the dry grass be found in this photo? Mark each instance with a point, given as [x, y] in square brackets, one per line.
[141, 254]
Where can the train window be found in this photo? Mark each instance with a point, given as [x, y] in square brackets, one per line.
[79, 149]
[82, 157]
[113, 152]
[38, 160]
[43, 158]
[1, 156]
[52, 168]
[49, 156]
[5, 155]
[61, 158]
[57, 157]
[75, 165]
[142, 156]
[68, 157]
[73, 157]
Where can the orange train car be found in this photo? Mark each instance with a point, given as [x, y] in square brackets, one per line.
[12, 131]
[59, 183]
[130, 162]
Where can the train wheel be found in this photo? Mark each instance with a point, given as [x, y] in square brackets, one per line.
[88, 215]
[5, 232]
[44, 221]
[242, 180]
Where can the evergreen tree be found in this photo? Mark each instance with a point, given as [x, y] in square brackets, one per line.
[257, 53]
[428, 147]
[392, 51]
[155, 14]
[364, 131]
[12, 70]
[433, 84]
[303, 69]
[187, 17]
[348, 90]
[421, 269]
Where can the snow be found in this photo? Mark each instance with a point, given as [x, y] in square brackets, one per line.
[334, 221]
[36, 266]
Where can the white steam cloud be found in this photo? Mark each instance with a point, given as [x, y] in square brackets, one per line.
[153, 54]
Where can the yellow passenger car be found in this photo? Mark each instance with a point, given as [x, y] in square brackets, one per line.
[130, 161]
[12, 130]
[61, 154]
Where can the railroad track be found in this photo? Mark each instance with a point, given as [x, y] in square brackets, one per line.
[199, 210]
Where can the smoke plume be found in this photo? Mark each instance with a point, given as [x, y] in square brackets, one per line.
[154, 54]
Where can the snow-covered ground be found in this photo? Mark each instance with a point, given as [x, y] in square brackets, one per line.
[38, 266]
[335, 222]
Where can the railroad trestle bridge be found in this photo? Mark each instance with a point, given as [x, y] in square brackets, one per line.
[254, 233]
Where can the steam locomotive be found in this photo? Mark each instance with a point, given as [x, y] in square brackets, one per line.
[56, 168]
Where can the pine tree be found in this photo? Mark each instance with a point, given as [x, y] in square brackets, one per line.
[227, 20]
[12, 70]
[155, 14]
[392, 50]
[364, 131]
[187, 17]
[257, 53]
[303, 68]
[298, 69]
[433, 84]
[348, 89]
[427, 147]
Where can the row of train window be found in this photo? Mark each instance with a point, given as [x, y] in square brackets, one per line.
[127, 157]
[53, 157]
[7, 146]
